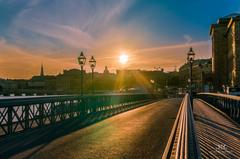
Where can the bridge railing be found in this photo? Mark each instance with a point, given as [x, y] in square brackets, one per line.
[20, 114]
[227, 103]
[182, 142]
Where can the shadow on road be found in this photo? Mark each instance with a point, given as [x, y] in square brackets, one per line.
[229, 130]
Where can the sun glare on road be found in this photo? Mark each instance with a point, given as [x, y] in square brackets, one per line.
[123, 58]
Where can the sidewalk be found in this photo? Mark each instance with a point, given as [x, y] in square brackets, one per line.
[218, 136]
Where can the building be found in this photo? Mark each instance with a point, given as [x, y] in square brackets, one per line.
[42, 71]
[38, 82]
[201, 75]
[233, 53]
[106, 71]
[226, 51]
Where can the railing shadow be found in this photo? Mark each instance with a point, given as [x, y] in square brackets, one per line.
[232, 131]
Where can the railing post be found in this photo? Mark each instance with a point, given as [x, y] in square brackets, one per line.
[94, 104]
[26, 116]
[231, 109]
[71, 109]
[53, 109]
[80, 107]
[234, 110]
[10, 120]
[84, 105]
[238, 111]
[41, 114]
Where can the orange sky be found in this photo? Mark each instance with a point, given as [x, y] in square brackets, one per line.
[18, 63]
[55, 32]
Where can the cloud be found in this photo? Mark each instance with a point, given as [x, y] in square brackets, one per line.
[16, 62]
[2, 41]
[177, 46]
[54, 32]
[33, 3]
[169, 56]
[188, 38]
[75, 24]
[69, 36]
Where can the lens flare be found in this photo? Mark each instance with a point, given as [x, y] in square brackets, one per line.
[123, 59]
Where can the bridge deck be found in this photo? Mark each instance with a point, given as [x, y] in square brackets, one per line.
[219, 137]
[139, 133]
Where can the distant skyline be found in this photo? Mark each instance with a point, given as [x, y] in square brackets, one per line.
[152, 33]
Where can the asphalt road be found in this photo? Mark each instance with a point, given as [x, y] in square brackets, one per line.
[139, 133]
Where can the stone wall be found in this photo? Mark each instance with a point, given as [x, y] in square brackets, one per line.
[230, 57]
[226, 52]
[219, 55]
[237, 45]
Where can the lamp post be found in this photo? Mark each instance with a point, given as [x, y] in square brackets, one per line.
[81, 61]
[92, 63]
[190, 59]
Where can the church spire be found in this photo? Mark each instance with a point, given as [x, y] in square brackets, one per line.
[42, 71]
[106, 72]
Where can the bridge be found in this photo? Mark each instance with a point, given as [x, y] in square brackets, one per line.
[120, 126]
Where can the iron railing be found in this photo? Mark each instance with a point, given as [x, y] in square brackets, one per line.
[182, 143]
[229, 104]
[20, 114]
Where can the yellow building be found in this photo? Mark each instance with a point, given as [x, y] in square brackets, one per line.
[226, 51]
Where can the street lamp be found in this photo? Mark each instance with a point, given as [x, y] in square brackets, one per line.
[92, 63]
[81, 61]
[190, 59]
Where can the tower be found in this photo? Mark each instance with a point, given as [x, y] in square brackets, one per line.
[226, 51]
[42, 71]
[106, 72]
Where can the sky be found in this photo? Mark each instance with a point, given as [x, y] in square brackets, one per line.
[151, 32]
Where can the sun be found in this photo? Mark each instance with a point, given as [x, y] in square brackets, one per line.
[123, 59]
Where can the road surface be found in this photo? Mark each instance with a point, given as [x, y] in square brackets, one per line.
[139, 133]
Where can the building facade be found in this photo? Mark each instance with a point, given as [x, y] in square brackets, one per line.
[201, 75]
[226, 51]
[232, 35]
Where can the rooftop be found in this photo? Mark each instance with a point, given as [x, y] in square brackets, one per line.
[232, 15]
